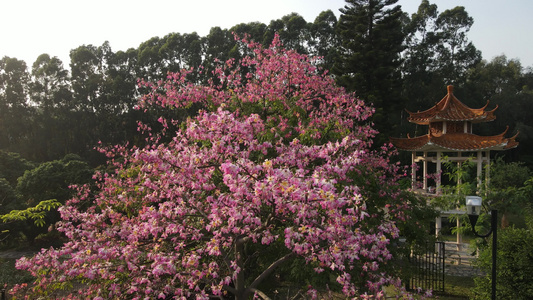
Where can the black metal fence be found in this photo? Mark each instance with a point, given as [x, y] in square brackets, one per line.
[428, 269]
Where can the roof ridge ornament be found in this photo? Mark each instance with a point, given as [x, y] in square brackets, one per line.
[450, 89]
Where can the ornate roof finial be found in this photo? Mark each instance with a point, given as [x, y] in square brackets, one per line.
[450, 89]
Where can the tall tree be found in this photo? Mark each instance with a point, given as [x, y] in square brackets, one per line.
[99, 97]
[293, 31]
[420, 62]
[503, 82]
[15, 112]
[86, 64]
[456, 52]
[372, 39]
[121, 84]
[438, 53]
[51, 91]
[50, 83]
[256, 30]
[219, 43]
[149, 61]
[323, 40]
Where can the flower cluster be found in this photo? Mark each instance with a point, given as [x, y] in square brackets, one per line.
[270, 160]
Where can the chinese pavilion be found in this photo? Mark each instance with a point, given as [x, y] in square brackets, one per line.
[450, 134]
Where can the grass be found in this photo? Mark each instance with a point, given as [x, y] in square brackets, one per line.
[456, 287]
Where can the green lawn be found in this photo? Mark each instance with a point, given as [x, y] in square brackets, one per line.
[456, 287]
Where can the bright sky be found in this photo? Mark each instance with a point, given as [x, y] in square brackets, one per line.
[29, 28]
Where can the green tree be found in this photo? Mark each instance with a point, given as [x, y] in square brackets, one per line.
[505, 193]
[323, 40]
[15, 113]
[256, 30]
[86, 64]
[219, 43]
[51, 180]
[438, 53]
[149, 58]
[104, 89]
[8, 198]
[47, 184]
[504, 83]
[115, 116]
[12, 166]
[158, 56]
[50, 89]
[295, 33]
[372, 39]
[218, 47]
[50, 84]
[420, 62]
[456, 53]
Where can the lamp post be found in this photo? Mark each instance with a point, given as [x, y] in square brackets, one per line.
[473, 209]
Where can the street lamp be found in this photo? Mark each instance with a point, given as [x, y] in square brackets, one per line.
[473, 209]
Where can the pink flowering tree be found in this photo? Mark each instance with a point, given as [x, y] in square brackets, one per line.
[274, 172]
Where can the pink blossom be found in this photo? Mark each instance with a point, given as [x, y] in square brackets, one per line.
[173, 218]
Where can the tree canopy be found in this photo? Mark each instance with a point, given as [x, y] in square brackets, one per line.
[277, 158]
[396, 61]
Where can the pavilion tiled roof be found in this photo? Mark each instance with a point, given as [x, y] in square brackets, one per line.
[455, 142]
[451, 109]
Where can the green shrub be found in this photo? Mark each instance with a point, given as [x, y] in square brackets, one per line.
[9, 275]
[514, 269]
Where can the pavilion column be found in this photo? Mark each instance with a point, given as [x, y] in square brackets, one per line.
[413, 170]
[439, 168]
[487, 170]
[459, 236]
[479, 169]
[438, 227]
[425, 171]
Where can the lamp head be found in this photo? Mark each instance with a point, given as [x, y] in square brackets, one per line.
[473, 205]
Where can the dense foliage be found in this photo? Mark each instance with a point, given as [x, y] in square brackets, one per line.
[48, 111]
[372, 39]
[514, 265]
[30, 194]
[509, 192]
[278, 158]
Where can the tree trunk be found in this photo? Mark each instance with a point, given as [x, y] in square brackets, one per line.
[239, 281]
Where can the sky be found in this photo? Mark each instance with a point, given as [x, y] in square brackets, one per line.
[29, 28]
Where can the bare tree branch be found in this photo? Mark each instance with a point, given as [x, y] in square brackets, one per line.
[267, 272]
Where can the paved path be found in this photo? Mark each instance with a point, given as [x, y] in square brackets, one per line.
[460, 263]
[13, 254]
